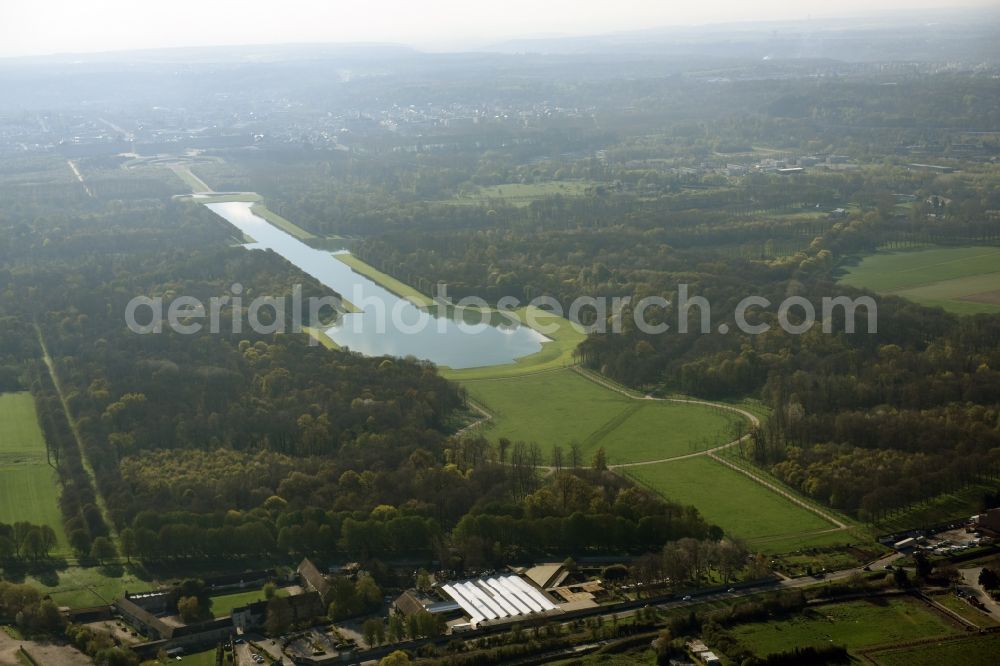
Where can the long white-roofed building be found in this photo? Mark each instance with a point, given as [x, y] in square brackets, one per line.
[499, 599]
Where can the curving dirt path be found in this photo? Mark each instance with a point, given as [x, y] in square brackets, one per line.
[487, 416]
[781, 491]
[711, 453]
[689, 401]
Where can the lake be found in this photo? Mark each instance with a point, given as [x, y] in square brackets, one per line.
[388, 324]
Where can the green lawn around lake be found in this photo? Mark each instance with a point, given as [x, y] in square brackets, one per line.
[287, 226]
[560, 406]
[563, 337]
[385, 280]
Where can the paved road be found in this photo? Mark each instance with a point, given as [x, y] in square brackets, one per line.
[79, 177]
[970, 578]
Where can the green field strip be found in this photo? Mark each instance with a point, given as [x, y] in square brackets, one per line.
[29, 486]
[385, 280]
[725, 497]
[285, 225]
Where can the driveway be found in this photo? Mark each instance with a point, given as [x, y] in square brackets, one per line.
[970, 581]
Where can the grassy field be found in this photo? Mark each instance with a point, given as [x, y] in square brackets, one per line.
[795, 542]
[522, 194]
[194, 182]
[206, 658]
[223, 605]
[965, 609]
[390, 283]
[964, 280]
[81, 587]
[29, 487]
[560, 407]
[285, 225]
[853, 624]
[974, 651]
[731, 500]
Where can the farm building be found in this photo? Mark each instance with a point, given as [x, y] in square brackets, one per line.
[314, 580]
[988, 522]
[412, 602]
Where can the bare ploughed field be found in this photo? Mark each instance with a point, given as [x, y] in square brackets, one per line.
[991, 297]
[50, 654]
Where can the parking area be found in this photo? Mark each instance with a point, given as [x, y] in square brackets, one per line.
[261, 651]
[953, 541]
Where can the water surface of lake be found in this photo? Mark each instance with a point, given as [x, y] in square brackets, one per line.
[388, 324]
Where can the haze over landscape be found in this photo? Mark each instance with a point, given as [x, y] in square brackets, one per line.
[40, 27]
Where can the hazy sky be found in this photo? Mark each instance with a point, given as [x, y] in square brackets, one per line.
[31, 27]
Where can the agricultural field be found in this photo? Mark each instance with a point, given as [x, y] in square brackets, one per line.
[736, 503]
[963, 280]
[560, 406]
[522, 194]
[974, 651]
[29, 486]
[854, 624]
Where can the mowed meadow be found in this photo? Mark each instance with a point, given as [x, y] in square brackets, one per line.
[857, 625]
[739, 505]
[29, 486]
[963, 280]
[559, 407]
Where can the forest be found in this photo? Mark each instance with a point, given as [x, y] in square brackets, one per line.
[212, 447]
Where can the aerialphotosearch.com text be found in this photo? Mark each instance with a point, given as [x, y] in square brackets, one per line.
[652, 315]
